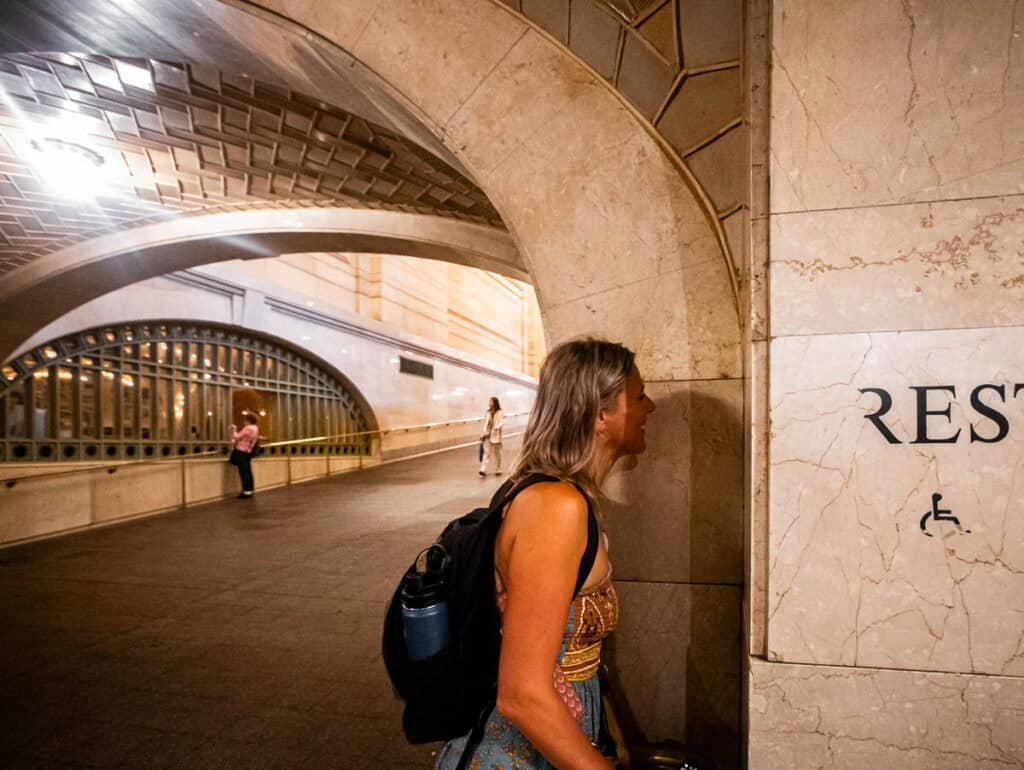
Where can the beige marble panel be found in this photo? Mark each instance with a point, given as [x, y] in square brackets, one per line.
[939, 265]
[853, 579]
[675, 658]
[400, 37]
[876, 101]
[756, 495]
[349, 18]
[306, 468]
[208, 480]
[342, 464]
[670, 344]
[268, 472]
[678, 514]
[528, 89]
[860, 719]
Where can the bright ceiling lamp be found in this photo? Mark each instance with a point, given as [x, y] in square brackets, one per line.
[68, 155]
[68, 168]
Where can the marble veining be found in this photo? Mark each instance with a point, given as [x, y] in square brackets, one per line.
[853, 579]
[925, 109]
[827, 717]
[941, 265]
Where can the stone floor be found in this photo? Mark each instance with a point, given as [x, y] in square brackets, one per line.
[240, 634]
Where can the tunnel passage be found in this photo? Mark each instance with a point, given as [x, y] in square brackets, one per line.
[164, 389]
[617, 233]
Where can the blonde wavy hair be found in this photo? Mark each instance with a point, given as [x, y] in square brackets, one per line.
[579, 378]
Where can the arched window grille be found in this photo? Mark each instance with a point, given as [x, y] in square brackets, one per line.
[166, 389]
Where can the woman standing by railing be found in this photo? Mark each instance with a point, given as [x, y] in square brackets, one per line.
[241, 456]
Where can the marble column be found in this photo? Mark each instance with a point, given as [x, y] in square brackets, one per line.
[893, 547]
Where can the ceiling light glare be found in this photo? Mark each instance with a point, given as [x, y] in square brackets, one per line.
[67, 168]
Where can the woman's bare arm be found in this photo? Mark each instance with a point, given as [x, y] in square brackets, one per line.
[538, 558]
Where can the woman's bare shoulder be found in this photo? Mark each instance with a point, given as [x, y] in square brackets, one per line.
[551, 503]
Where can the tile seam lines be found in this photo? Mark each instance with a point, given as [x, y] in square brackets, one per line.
[629, 284]
[699, 584]
[684, 380]
[469, 97]
[892, 204]
[929, 330]
[845, 666]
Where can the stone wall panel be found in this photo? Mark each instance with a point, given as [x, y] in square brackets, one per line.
[843, 718]
[854, 579]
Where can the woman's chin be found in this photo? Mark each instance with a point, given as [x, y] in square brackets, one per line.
[628, 462]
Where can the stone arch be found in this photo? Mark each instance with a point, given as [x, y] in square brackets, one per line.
[602, 216]
[48, 287]
[603, 219]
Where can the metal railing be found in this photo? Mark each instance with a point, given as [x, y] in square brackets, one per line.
[314, 441]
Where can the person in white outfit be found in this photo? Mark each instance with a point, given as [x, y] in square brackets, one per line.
[494, 421]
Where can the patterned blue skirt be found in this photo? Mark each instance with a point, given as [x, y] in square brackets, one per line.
[503, 747]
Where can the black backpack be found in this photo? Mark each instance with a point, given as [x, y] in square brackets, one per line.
[452, 693]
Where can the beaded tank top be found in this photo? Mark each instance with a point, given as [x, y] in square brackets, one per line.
[595, 613]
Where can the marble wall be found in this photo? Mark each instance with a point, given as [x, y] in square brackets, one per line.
[894, 256]
[830, 716]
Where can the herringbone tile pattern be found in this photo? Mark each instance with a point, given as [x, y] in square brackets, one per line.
[170, 138]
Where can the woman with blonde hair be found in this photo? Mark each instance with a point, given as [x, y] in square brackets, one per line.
[590, 410]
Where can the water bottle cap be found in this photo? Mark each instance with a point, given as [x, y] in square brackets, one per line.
[423, 589]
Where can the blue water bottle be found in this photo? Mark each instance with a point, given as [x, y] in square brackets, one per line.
[425, 607]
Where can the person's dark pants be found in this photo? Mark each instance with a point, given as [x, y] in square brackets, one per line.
[244, 464]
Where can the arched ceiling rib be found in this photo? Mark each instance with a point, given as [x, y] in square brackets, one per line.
[47, 288]
[678, 62]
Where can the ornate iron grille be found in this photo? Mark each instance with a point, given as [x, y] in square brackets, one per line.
[168, 389]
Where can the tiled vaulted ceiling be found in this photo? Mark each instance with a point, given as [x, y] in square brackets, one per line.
[173, 138]
[206, 136]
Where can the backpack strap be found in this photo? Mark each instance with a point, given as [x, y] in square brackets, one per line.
[590, 553]
[507, 493]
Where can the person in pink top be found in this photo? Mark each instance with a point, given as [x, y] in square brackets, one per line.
[241, 456]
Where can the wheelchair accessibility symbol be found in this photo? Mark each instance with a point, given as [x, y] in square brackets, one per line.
[940, 514]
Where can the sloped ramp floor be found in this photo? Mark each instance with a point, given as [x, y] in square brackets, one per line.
[239, 634]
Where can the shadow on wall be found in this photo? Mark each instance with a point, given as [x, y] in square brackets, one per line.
[674, 524]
